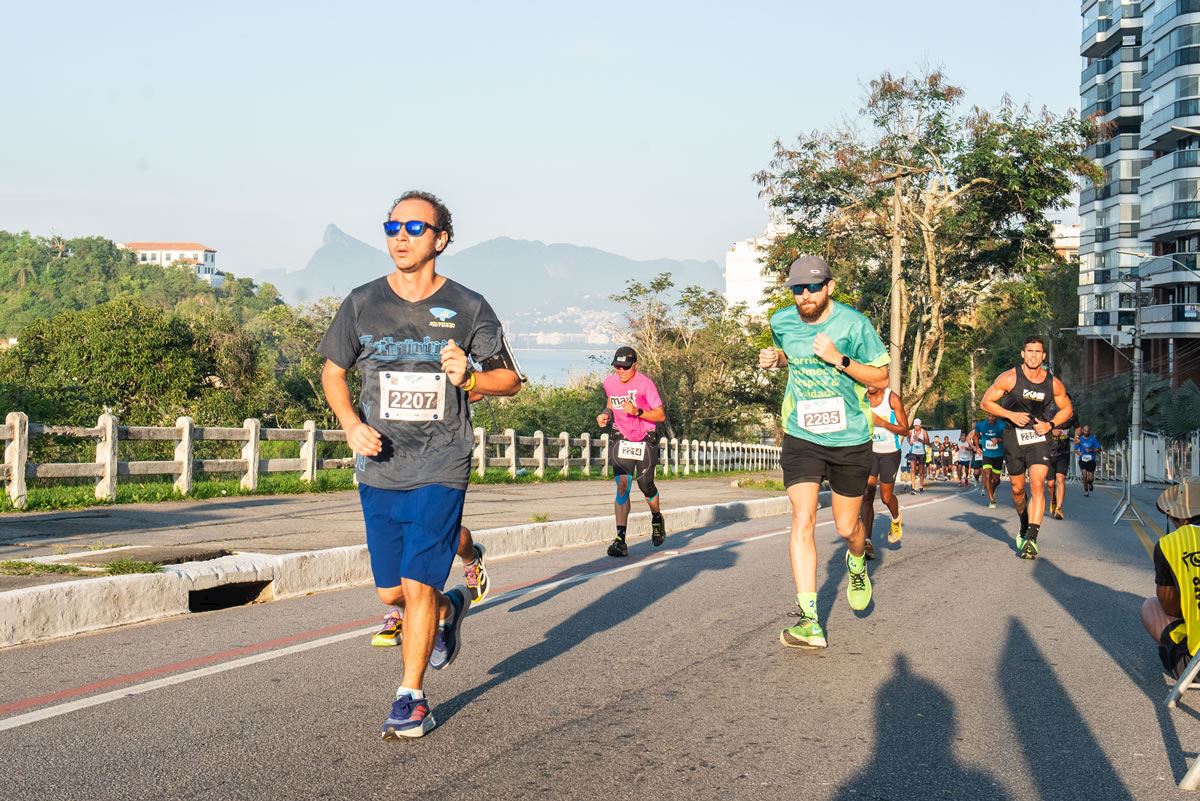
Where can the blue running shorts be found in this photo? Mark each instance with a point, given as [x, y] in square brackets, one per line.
[412, 534]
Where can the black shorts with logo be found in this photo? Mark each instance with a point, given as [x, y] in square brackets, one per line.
[1019, 459]
[885, 466]
[1060, 461]
[1087, 465]
[846, 469]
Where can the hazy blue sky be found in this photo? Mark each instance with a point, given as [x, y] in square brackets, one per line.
[632, 127]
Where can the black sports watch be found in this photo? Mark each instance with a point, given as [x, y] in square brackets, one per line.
[638, 413]
[845, 365]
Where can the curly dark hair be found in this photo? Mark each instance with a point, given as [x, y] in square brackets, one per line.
[441, 214]
[1029, 340]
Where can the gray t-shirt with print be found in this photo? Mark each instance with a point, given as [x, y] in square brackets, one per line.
[423, 419]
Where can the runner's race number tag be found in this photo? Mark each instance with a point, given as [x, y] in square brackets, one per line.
[631, 450]
[822, 415]
[991, 444]
[1027, 437]
[412, 397]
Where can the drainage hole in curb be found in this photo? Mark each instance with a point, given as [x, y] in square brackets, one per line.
[229, 595]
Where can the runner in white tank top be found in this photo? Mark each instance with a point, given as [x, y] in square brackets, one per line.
[891, 422]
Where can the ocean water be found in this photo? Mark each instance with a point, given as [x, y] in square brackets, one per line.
[557, 365]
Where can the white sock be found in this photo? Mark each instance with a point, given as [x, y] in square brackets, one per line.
[409, 691]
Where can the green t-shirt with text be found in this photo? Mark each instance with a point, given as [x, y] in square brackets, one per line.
[821, 403]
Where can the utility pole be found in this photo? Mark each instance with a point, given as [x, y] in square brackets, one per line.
[1135, 426]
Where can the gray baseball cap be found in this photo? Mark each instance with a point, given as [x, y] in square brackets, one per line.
[809, 270]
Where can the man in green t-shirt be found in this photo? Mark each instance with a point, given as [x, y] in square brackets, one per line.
[832, 354]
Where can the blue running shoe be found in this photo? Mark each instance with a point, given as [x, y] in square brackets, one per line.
[447, 640]
[410, 717]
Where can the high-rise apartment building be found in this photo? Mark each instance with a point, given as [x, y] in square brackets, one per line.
[1141, 81]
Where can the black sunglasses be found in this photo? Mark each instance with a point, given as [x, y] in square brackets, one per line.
[411, 227]
[798, 289]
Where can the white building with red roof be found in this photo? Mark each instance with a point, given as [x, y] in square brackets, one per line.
[199, 257]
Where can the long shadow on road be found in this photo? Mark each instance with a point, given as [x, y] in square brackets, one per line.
[1111, 618]
[1064, 757]
[638, 552]
[915, 729]
[646, 587]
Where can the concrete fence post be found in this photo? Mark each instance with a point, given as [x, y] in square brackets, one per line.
[587, 453]
[539, 453]
[308, 453]
[106, 457]
[604, 458]
[510, 451]
[675, 455]
[480, 452]
[184, 455]
[687, 457]
[564, 453]
[665, 461]
[16, 454]
[250, 453]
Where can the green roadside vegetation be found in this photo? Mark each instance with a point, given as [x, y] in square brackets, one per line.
[21, 567]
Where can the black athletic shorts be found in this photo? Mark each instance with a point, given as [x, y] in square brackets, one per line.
[633, 467]
[886, 465]
[1019, 459]
[1087, 464]
[846, 469]
[1060, 462]
[996, 463]
[1174, 655]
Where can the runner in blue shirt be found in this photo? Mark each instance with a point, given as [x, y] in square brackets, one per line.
[1088, 448]
[988, 437]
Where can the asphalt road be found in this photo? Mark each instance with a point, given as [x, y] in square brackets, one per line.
[974, 675]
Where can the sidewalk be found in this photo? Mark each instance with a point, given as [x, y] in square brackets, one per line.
[179, 531]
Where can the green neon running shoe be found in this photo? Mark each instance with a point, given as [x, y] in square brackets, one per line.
[858, 590]
[805, 634]
[1027, 548]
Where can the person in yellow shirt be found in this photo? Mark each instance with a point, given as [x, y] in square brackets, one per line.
[1172, 616]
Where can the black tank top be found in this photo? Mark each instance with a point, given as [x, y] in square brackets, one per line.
[1031, 398]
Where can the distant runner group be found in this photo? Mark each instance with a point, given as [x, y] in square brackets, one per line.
[426, 347]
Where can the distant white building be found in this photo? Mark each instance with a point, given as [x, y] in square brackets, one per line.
[744, 279]
[200, 258]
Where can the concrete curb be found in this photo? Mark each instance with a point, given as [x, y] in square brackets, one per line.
[44, 612]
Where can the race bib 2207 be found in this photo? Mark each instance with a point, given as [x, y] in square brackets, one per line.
[412, 397]
[822, 415]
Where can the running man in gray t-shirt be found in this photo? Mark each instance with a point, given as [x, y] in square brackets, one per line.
[413, 336]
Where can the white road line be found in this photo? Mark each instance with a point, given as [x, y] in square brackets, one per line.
[68, 707]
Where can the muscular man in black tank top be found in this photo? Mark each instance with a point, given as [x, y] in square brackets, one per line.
[1035, 403]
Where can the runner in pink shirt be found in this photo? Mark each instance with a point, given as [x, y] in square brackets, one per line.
[634, 407]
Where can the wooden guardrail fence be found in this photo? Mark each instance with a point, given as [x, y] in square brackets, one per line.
[515, 453]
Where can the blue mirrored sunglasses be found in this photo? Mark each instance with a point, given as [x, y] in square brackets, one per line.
[411, 227]
[798, 289]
